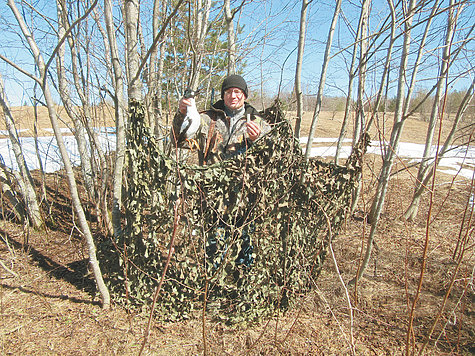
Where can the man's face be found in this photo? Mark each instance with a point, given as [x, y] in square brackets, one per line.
[234, 98]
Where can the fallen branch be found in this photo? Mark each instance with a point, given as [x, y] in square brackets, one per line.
[8, 269]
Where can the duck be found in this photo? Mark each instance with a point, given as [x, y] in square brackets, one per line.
[192, 121]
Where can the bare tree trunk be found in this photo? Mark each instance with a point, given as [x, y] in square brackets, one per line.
[103, 189]
[229, 17]
[131, 17]
[402, 105]
[436, 112]
[383, 84]
[120, 114]
[298, 67]
[389, 155]
[18, 208]
[79, 117]
[348, 104]
[65, 158]
[363, 40]
[75, 114]
[24, 179]
[44, 195]
[411, 211]
[321, 85]
[156, 66]
[360, 102]
[197, 38]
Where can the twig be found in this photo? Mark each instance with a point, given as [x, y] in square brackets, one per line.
[337, 270]
[14, 330]
[410, 328]
[457, 304]
[157, 291]
[446, 297]
[205, 344]
[335, 264]
[8, 269]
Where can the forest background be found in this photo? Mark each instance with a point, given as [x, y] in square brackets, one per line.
[392, 69]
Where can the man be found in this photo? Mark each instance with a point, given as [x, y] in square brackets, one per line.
[228, 128]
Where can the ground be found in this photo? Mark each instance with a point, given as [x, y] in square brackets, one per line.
[48, 304]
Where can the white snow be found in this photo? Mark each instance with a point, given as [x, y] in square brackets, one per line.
[451, 163]
[459, 160]
[48, 150]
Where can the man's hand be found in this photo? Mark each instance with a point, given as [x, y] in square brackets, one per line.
[183, 104]
[253, 130]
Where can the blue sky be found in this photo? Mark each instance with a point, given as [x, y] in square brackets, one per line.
[280, 53]
[270, 38]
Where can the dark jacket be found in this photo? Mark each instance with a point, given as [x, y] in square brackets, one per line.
[217, 140]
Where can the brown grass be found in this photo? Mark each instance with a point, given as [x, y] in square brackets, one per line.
[328, 124]
[26, 120]
[49, 307]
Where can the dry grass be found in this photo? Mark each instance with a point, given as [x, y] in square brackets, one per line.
[49, 307]
[328, 125]
[26, 119]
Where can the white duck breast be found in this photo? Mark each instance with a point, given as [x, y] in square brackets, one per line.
[191, 122]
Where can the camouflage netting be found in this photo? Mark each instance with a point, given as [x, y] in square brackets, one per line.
[284, 204]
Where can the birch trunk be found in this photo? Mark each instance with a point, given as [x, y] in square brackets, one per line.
[65, 94]
[131, 17]
[79, 118]
[360, 102]
[229, 16]
[156, 66]
[298, 67]
[10, 194]
[411, 211]
[34, 99]
[24, 179]
[435, 114]
[350, 84]
[120, 114]
[321, 85]
[103, 170]
[383, 86]
[64, 155]
[389, 153]
[403, 102]
[197, 38]
[363, 40]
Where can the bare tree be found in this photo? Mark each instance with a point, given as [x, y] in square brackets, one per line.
[85, 229]
[156, 65]
[298, 67]
[390, 154]
[197, 35]
[102, 171]
[321, 85]
[75, 113]
[23, 177]
[383, 85]
[437, 111]
[363, 44]
[120, 116]
[131, 21]
[428, 173]
[8, 192]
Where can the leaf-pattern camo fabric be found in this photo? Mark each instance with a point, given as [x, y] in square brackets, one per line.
[286, 207]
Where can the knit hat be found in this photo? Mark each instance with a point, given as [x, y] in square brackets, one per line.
[234, 81]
